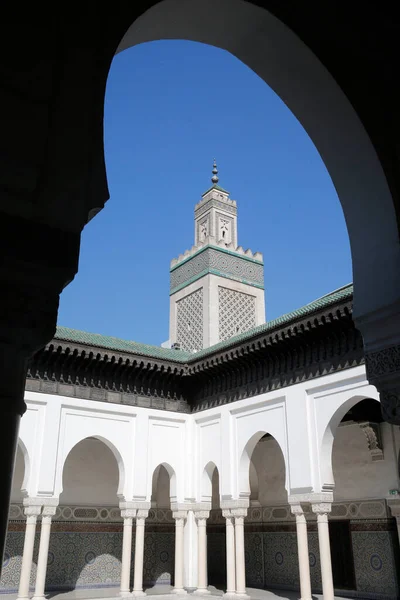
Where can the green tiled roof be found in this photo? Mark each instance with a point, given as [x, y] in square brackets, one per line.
[181, 356]
[216, 187]
[113, 343]
[343, 293]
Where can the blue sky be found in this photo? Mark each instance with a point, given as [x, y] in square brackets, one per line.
[171, 107]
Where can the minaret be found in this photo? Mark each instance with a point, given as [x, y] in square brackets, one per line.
[216, 287]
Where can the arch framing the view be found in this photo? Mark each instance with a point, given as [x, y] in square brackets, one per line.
[292, 70]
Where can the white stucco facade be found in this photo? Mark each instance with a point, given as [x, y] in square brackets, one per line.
[303, 419]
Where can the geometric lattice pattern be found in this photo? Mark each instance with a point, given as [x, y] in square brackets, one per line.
[189, 321]
[235, 267]
[236, 312]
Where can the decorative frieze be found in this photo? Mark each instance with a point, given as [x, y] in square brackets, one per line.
[99, 514]
[352, 510]
[220, 262]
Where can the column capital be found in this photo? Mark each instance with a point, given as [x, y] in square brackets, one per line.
[227, 513]
[239, 513]
[49, 511]
[179, 515]
[321, 508]
[201, 515]
[128, 513]
[32, 511]
[142, 513]
[296, 510]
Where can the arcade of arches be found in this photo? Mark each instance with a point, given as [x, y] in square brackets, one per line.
[297, 384]
[194, 534]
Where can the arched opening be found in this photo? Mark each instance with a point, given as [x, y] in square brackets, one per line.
[285, 63]
[86, 538]
[270, 538]
[159, 546]
[364, 466]
[216, 551]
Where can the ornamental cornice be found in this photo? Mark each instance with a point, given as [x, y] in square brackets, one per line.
[267, 337]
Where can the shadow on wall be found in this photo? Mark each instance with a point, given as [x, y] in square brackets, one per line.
[88, 559]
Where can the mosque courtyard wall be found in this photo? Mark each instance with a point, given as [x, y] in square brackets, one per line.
[261, 454]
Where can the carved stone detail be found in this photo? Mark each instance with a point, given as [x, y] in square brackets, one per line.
[201, 515]
[321, 508]
[383, 362]
[373, 434]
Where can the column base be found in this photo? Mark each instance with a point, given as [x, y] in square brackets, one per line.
[201, 592]
[137, 593]
[229, 596]
[179, 591]
[124, 594]
[39, 598]
[242, 596]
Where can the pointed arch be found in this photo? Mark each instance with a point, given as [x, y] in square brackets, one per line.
[172, 480]
[326, 469]
[114, 450]
[206, 481]
[245, 460]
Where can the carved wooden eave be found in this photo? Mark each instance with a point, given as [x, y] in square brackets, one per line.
[266, 341]
[274, 356]
[97, 373]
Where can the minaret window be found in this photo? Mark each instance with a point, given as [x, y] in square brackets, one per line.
[204, 230]
[225, 230]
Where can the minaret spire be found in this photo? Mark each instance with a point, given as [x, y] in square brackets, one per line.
[214, 177]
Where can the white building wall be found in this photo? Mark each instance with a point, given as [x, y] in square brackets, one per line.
[302, 419]
[93, 453]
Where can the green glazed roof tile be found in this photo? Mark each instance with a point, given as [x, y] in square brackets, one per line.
[181, 356]
[343, 293]
[113, 343]
[215, 187]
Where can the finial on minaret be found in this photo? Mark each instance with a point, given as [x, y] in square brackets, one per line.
[214, 178]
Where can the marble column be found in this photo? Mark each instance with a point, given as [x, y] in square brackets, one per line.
[32, 513]
[322, 510]
[230, 554]
[128, 515]
[141, 517]
[47, 514]
[201, 517]
[180, 517]
[302, 549]
[239, 516]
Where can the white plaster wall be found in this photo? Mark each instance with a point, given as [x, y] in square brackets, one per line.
[167, 446]
[18, 478]
[90, 475]
[356, 475]
[139, 440]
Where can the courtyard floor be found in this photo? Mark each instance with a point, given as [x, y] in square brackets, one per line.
[163, 592]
